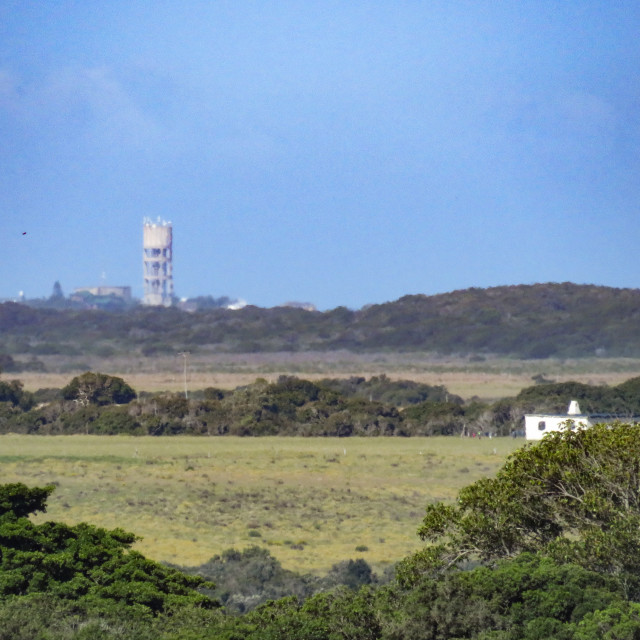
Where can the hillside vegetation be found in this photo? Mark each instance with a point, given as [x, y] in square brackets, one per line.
[533, 321]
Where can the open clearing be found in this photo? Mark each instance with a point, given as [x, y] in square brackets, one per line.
[310, 501]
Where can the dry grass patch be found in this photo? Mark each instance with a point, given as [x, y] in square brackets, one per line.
[311, 502]
[488, 379]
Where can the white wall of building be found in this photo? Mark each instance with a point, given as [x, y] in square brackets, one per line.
[537, 425]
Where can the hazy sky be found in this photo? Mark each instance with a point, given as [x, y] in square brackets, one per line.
[341, 153]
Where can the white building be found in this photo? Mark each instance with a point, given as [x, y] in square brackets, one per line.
[537, 425]
[103, 290]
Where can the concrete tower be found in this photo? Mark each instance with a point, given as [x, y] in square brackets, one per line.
[157, 255]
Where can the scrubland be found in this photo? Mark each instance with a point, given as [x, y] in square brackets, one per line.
[488, 378]
[312, 502]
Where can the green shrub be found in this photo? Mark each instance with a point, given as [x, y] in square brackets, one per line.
[99, 389]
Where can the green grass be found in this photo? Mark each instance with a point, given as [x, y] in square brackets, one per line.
[312, 501]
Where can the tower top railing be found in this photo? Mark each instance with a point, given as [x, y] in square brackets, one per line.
[148, 222]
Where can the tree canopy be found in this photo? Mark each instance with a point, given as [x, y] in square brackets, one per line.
[103, 404]
[82, 562]
[98, 388]
[575, 495]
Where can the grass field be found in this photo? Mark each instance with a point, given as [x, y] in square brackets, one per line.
[311, 502]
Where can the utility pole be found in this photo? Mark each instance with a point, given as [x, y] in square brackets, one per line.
[185, 356]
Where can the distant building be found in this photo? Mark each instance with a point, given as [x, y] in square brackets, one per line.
[537, 425]
[118, 292]
[305, 306]
[157, 263]
[19, 299]
[237, 305]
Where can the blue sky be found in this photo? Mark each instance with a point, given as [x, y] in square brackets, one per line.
[340, 153]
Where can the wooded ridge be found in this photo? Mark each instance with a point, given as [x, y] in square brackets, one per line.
[524, 321]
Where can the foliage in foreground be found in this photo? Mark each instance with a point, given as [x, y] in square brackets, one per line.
[83, 563]
[556, 533]
[575, 496]
[528, 598]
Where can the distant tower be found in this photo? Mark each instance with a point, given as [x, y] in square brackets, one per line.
[157, 255]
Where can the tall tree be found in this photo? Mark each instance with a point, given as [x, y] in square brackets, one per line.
[57, 293]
